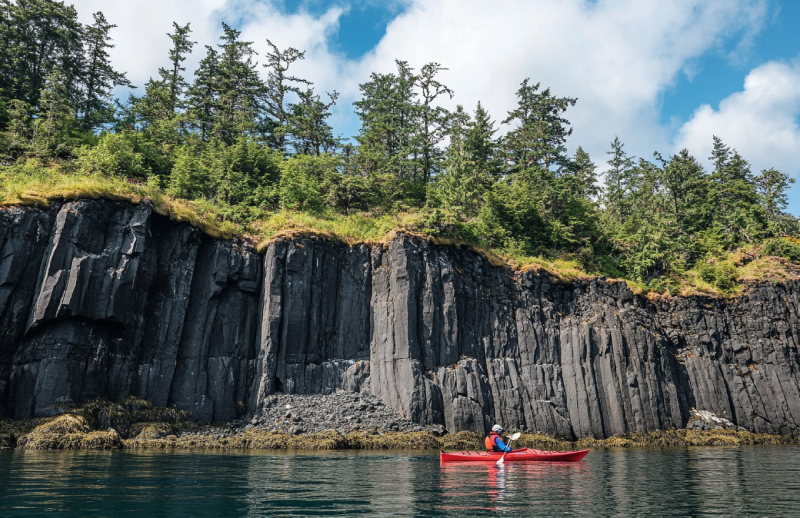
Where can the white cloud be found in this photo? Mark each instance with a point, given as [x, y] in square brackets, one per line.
[761, 121]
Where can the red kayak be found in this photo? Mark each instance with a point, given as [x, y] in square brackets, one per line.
[524, 454]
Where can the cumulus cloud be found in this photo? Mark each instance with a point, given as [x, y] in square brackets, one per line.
[761, 121]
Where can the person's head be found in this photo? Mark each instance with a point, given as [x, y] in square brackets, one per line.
[497, 429]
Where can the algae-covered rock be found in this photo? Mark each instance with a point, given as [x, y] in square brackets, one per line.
[147, 431]
[69, 432]
[152, 414]
[7, 441]
[116, 417]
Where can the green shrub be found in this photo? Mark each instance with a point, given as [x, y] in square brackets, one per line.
[721, 275]
[785, 247]
[114, 155]
[302, 179]
[191, 177]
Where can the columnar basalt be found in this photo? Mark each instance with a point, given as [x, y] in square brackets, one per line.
[107, 299]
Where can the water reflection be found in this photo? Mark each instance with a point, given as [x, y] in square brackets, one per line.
[670, 482]
[330, 482]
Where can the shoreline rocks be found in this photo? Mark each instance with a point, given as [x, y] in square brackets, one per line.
[702, 420]
[297, 414]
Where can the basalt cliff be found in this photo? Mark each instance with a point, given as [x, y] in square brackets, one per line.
[108, 299]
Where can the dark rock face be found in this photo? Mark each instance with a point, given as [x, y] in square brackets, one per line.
[102, 299]
[106, 299]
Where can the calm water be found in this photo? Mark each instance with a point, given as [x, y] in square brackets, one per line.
[670, 482]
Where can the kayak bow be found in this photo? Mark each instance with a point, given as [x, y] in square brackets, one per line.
[524, 454]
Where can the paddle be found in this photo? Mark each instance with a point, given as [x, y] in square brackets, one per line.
[513, 438]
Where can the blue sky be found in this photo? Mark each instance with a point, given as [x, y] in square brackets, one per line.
[660, 75]
[361, 26]
[720, 75]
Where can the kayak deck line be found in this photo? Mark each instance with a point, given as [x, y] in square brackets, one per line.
[524, 454]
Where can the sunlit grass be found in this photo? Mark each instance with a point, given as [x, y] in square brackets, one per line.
[35, 184]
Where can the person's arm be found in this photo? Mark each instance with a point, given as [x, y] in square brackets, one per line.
[500, 444]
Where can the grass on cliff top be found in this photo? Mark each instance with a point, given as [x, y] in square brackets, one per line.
[37, 185]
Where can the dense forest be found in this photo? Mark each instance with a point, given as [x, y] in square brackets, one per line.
[244, 135]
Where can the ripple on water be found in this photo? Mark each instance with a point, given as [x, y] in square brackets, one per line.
[665, 482]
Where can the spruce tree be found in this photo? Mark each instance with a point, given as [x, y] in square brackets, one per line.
[239, 88]
[585, 174]
[772, 185]
[163, 98]
[19, 132]
[733, 198]
[55, 127]
[471, 163]
[686, 192]
[37, 37]
[203, 97]
[98, 75]
[279, 86]
[541, 131]
[388, 113]
[432, 120]
[311, 133]
[617, 181]
[173, 79]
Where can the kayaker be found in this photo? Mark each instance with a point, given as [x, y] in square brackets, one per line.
[494, 442]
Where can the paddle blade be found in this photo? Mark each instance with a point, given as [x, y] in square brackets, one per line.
[499, 462]
[515, 436]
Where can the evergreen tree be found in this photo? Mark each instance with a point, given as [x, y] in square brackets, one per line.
[734, 201]
[772, 185]
[238, 86]
[585, 175]
[617, 180]
[163, 97]
[388, 113]
[472, 164]
[432, 120]
[55, 129]
[19, 132]
[686, 190]
[202, 96]
[456, 188]
[278, 86]
[648, 234]
[38, 37]
[98, 76]
[308, 124]
[541, 131]
[173, 80]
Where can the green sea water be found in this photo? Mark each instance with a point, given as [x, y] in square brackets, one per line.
[758, 481]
